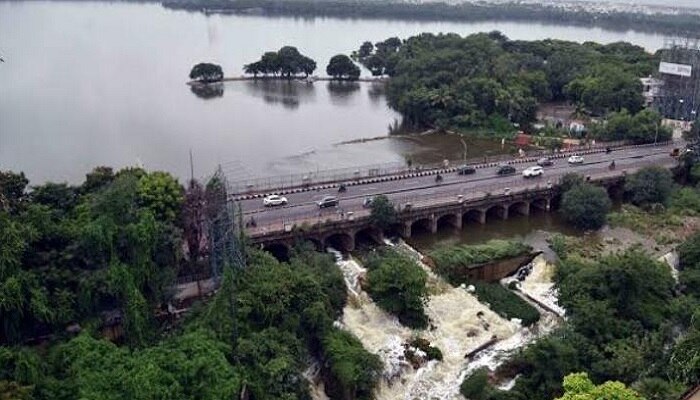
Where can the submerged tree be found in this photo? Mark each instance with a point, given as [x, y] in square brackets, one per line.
[206, 73]
[341, 67]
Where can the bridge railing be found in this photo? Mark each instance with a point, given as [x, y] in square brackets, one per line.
[496, 191]
[281, 182]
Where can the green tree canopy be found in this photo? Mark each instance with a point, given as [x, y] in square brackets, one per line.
[207, 72]
[287, 62]
[397, 285]
[382, 214]
[649, 185]
[585, 206]
[341, 67]
[579, 387]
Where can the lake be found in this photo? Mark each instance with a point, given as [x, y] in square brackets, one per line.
[97, 83]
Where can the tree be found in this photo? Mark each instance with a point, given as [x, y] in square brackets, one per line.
[365, 50]
[585, 206]
[579, 387]
[341, 67]
[12, 190]
[382, 214]
[397, 285]
[353, 368]
[194, 218]
[161, 193]
[287, 62]
[649, 185]
[206, 73]
[97, 178]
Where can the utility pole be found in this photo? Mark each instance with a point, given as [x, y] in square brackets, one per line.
[465, 148]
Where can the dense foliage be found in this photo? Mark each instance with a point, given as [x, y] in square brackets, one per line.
[286, 62]
[113, 246]
[621, 317]
[579, 387]
[649, 185]
[642, 127]
[341, 67]
[206, 72]
[450, 260]
[382, 213]
[506, 303]
[486, 81]
[585, 206]
[397, 285]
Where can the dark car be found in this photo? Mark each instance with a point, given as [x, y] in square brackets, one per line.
[545, 162]
[466, 170]
[506, 170]
[328, 201]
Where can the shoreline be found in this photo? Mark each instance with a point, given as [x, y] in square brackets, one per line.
[309, 79]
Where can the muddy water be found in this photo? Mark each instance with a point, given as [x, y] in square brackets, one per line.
[533, 229]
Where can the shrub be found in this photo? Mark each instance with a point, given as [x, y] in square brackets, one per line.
[506, 303]
[585, 206]
[649, 185]
[397, 284]
[352, 368]
[476, 385]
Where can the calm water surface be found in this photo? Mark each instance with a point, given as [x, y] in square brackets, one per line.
[88, 84]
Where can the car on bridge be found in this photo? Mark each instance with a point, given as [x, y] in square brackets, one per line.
[575, 159]
[534, 171]
[505, 169]
[465, 170]
[274, 200]
[327, 201]
[545, 162]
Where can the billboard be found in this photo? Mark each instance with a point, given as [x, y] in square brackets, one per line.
[675, 69]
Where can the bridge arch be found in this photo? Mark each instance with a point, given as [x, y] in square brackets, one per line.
[341, 241]
[497, 211]
[369, 236]
[451, 221]
[519, 208]
[279, 250]
[540, 204]
[423, 225]
[474, 215]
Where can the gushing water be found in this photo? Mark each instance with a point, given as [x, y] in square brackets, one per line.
[459, 324]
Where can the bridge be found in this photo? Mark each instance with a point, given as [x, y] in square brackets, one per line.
[427, 205]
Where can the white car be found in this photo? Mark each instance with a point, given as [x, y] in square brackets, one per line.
[575, 160]
[274, 200]
[533, 171]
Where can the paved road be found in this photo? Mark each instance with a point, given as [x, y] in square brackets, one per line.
[303, 205]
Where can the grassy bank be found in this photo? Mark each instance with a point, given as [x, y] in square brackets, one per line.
[449, 260]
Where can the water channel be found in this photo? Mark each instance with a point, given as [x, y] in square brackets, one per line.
[103, 83]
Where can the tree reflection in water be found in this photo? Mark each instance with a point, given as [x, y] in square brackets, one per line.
[208, 91]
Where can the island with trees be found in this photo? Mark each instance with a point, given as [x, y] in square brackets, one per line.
[286, 63]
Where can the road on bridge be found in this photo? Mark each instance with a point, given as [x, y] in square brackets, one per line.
[302, 206]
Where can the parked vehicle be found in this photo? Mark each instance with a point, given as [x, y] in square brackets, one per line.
[367, 202]
[274, 200]
[465, 170]
[533, 171]
[575, 159]
[506, 170]
[545, 162]
[327, 201]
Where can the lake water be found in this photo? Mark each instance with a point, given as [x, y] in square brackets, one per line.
[97, 83]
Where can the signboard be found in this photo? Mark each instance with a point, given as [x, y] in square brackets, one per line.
[675, 69]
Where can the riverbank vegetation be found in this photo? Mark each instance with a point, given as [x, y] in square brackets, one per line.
[341, 67]
[487, 82]
[585, 206]
[450, 261]
[287, 62]
[397, 284]
[623, 317]
[674, 23]
[79, 262]
[506, 303]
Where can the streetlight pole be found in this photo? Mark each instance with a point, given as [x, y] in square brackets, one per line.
[465, 148]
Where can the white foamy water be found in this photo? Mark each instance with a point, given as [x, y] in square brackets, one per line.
[459, 324]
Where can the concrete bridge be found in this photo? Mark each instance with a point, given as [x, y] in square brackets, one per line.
[343, 232]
